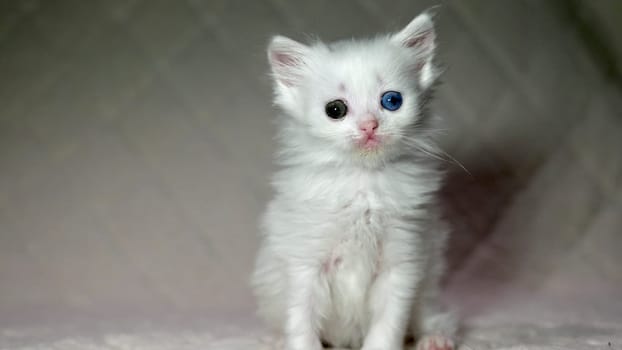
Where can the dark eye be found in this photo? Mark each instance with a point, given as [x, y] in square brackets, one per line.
[391, 100]
[336, 109]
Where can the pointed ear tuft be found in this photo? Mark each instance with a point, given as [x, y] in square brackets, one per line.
[419, 34]
[420, 37]
[287, 59]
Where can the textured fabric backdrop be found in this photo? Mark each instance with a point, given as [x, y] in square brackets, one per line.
[135, 153]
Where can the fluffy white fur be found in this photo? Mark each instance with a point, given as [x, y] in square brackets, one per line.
[352, 246]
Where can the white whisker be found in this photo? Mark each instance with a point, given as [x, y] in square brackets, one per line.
[443, 156]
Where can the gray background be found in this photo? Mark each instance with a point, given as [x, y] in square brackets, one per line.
[136, 142]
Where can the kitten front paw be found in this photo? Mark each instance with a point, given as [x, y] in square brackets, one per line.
[435, 342]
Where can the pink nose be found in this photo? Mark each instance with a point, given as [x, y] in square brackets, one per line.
[368, 126]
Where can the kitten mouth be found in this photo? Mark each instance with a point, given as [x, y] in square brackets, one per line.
[371, 142]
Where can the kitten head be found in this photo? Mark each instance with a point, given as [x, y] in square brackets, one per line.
[354, 101]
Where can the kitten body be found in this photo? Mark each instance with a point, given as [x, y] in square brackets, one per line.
[352, 246]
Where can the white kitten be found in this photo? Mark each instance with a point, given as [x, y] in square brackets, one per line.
[353, 245]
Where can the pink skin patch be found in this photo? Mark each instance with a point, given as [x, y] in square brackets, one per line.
[331, 264]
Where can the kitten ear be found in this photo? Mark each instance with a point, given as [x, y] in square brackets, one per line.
[287, 59]
[420, 37]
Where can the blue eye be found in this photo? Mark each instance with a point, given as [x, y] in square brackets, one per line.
[391, 100]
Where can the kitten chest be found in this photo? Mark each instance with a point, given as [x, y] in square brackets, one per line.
[353, 259]
[355, 245]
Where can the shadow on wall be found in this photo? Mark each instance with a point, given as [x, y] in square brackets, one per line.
[563, 202]
[473, 202]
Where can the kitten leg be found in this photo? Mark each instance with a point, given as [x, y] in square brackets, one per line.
[437, 331]
[299, 328]
[391, 305]
[435, 326]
